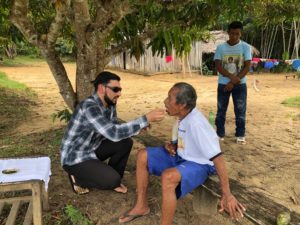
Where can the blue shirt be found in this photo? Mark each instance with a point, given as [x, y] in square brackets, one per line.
[233, 58]
[90, 124]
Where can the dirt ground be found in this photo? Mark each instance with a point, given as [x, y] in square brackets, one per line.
[269, 163]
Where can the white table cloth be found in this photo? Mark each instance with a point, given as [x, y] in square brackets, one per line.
[28, 169]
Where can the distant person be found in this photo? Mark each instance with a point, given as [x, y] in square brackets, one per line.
[94, 135]
[233, 84]
[184, 163]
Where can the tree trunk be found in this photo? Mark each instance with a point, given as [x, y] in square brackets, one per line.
[290, 39]
[296, 41]
[60, 75]
[283, 36]
[272, 40]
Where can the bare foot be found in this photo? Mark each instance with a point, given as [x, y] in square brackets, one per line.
[133, 214]
[121, 189]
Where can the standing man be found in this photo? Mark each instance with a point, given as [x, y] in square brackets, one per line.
[183, 164]
[94, 135]
[238, 51]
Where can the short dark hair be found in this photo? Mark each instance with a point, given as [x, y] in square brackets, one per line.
[186, 95]
[104, 78]
[235, 25]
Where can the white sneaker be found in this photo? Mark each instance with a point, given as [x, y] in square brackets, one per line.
[241, 140]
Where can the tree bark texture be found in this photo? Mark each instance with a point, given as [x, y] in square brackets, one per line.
[90, 33]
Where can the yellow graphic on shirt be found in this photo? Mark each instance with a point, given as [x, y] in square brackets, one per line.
[180, 144]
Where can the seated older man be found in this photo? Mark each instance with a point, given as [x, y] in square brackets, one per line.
[185, 164]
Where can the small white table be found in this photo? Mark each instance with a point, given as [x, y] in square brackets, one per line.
[31, 174]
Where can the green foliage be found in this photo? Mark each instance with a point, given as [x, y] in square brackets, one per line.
[76, 217]
[7, 31]
[275, 11]
[62, 115]
[64, 46]
[166, 24]
[21, 61]
[285, 55]
[206, 70]
[41, 14]
[292, 102]
[24, 48]
[282, 68]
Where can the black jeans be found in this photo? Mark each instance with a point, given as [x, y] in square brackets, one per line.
[98, 174]
[239, 97]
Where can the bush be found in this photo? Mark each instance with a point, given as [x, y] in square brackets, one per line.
[62, 115]
[282, 67]
[76, 217]
[24, 48]
[64, 47]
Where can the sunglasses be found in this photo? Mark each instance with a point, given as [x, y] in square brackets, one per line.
[115, 89]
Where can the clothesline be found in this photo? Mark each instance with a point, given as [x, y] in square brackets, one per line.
[270, 63]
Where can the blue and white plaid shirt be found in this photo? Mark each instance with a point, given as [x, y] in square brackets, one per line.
[90, 124]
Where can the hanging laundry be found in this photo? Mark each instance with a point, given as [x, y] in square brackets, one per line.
[296, 64]
[169, 58]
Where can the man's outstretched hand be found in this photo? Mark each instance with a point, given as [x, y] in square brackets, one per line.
[231, 205]
[155, 115]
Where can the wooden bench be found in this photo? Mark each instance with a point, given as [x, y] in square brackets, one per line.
[21, 175]
[261, 210]
[38, 198]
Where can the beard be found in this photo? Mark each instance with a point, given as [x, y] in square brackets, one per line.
[109, 101]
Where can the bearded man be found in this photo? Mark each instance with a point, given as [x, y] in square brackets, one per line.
[94, 135]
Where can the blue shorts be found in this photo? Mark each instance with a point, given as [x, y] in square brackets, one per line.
[192, 174]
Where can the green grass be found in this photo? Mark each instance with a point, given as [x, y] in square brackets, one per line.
[292, 102]
[294, 116]
[15, 102]
[15, 108]
[30, 61]
[5, 82]
[37, 144]
[21, 61]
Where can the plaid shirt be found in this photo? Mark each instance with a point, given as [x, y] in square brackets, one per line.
[90, 124]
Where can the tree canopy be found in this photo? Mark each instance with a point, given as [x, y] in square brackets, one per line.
[98, 30]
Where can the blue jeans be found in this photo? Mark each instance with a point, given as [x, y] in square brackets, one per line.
[239, 97]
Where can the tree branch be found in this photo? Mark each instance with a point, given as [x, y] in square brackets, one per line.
[125, 45]
[20, 20]
[108, 15]
[62, 8]
[148, 33]
[82, 18]
[60, 75]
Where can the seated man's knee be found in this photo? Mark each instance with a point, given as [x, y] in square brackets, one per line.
[113, 182]
[170, 178]
[127, 143]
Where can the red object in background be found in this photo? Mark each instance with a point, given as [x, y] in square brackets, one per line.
[256, 60]
[169, 58]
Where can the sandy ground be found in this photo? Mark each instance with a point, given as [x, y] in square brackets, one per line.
[268, 163]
